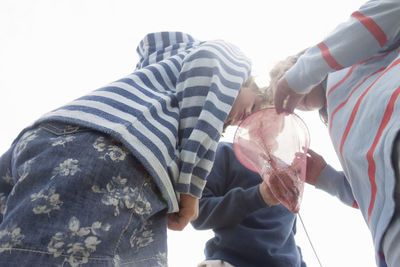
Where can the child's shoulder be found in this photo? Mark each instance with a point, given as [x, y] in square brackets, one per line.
[225, 147]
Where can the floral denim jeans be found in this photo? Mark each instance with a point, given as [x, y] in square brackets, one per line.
[70, 196]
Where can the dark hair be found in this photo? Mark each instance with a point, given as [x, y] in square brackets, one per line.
[323, 114]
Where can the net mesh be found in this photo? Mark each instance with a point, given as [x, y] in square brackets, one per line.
[275, 146]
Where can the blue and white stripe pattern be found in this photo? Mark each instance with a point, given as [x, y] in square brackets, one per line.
[170, 111]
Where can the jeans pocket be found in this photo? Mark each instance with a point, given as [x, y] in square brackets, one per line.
[59, 128]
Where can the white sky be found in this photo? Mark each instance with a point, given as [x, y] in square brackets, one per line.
[53, 51]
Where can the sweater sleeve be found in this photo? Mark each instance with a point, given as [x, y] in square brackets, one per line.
[335, 183]
[223, 207]
[373, 28]
[227, 210]
[207, 87]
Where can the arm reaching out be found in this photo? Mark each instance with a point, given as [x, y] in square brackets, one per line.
[324, 177]
[372, 29]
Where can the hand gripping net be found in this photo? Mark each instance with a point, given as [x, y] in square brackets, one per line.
[275, 146]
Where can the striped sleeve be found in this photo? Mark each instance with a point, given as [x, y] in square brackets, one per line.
[374, 27]
[208, 84]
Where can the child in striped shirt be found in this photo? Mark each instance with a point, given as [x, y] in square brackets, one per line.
[353, 76]
[97, 181]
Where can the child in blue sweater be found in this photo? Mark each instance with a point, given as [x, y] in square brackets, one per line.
[251, 228]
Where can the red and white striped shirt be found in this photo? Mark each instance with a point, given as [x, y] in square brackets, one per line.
[361, 63]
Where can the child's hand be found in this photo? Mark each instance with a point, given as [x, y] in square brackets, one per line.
[284, 185]
[267, 195]
[188, 211]
[315, 165]
[285, 98]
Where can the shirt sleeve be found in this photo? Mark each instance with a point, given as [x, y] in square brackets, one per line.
[207, 87]
[335, 183]
[235, 203]
[374, 27]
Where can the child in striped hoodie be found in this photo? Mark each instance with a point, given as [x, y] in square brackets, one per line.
[353, 75]
[97, 181]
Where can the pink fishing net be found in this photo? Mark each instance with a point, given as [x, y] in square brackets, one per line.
[275, 146]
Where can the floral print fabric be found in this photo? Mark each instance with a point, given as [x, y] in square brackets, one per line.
[70, 196]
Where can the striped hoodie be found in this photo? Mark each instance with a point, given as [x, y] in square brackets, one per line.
[170, 111]
[360, 62]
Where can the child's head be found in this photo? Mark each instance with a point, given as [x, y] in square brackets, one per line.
[315, 99]
[250, 99]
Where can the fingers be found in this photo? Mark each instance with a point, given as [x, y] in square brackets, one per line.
[316, 158]
[279, 99]
[285, 189]
[292, 102]
[315, 165]
[312, 153]
[281, 94]
[285, 98]
[189, 211]
[177, 222]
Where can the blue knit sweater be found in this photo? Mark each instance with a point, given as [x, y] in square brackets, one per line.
[247, 231]
[169, 112]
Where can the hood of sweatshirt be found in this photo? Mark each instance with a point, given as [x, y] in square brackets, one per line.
[160, 45]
